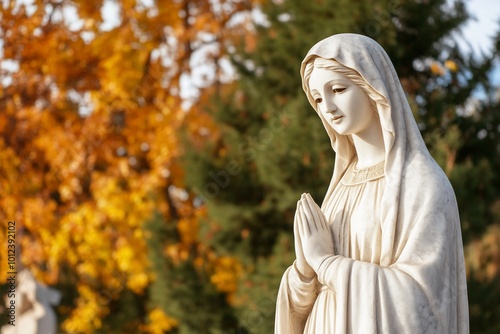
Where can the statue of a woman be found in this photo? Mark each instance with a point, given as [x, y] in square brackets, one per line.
[384, 252]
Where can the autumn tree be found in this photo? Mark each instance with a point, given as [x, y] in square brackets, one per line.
[89, 147]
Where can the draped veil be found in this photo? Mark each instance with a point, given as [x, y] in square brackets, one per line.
[419, 285]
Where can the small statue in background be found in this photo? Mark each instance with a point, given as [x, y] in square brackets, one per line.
[34, 307]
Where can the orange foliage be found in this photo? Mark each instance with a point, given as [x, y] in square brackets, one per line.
[482, 255]
[89, 141]
[159, 322]
[226, 273]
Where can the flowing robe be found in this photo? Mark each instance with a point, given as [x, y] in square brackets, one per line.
[421, 291]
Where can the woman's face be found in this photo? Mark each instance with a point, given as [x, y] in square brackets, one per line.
[343, 104]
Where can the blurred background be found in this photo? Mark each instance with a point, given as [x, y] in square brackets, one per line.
[152, 152]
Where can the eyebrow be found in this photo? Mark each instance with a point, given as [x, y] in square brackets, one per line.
[332, 82]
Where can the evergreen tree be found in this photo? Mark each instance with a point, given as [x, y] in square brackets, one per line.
[182, 290]
[271, 145]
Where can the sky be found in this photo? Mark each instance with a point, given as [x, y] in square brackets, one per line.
[476, 37]
[478, 32]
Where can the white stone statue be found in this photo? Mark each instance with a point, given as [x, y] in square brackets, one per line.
[35, 303]
[384, 252]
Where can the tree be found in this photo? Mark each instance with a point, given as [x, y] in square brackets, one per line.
[270, 146]
[89, 154]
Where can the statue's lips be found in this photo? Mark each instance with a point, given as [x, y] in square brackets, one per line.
[336, 118]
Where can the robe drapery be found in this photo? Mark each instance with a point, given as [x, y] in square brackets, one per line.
[413, 281]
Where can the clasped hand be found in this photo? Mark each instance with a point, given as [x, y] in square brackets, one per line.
[313, 238]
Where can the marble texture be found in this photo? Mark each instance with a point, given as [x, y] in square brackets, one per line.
[384, 252]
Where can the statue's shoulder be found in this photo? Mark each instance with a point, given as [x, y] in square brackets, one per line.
[423, 177]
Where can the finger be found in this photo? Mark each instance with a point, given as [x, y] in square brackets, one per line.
[296, 220]
[304, 235]
[317, 207]
[297, 210]
[299, 253]
[298, 245]
[318, 214]
[309, 219]
[313, 213]
[305, 228]
[307, 211]
[313, 203]
[312, 209]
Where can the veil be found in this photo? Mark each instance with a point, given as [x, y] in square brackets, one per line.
[400, 131]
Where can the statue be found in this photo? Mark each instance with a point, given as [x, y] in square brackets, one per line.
[36, 301]
[384, 252]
